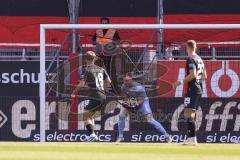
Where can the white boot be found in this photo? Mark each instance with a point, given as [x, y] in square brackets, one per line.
[191, 141]
[168, 138]
[119, 139]
[92, 138]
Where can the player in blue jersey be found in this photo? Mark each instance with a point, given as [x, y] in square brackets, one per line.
[136, 98]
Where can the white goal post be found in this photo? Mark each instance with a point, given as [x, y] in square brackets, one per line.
[45, 27]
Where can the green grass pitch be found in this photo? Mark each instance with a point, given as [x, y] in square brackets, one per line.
[112, 151]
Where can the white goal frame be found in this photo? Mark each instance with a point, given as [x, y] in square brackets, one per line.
[45, 27]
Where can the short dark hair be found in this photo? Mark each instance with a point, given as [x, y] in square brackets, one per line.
[191, 44]
[90, 56]
[106, 19]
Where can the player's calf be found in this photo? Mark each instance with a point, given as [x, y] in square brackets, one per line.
[158, 127]
[121, 126]
[89, 123]
[191, 126]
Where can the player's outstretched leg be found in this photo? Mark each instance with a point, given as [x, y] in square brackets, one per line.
[147, 112]
[158, 127]
[121, 125]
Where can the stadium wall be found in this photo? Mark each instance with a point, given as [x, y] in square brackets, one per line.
[218, 117]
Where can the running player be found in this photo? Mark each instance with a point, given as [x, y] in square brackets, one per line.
[96, 79]
[196, 73]
[135, 94]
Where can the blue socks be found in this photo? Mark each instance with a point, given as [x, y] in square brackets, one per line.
[121, 125]
[157, 125]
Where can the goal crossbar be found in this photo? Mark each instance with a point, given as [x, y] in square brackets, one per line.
[140, 26]
[44, 27]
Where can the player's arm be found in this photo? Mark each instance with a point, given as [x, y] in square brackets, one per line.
[78, 88]
[126, 97]
[192, 74]
[141, 93]
[107, 80]
[187, 79]
[205, 74]
[82, 76]
[140, 101]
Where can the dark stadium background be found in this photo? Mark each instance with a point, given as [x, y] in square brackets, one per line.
[23, 17]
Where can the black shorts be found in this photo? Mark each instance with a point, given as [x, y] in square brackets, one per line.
[192, 100]
[92, 105]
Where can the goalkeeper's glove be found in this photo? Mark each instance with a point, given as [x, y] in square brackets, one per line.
[133, 102]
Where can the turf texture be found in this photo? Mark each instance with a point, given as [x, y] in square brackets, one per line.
[112, 151]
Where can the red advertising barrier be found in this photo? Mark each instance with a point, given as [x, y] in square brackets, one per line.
[223, 78]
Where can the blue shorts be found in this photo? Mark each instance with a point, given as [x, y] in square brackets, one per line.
[145, 108]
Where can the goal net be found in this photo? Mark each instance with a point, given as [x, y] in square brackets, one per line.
[156, 65]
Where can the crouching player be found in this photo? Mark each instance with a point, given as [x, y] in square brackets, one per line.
[196, 73]
[135, 95]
